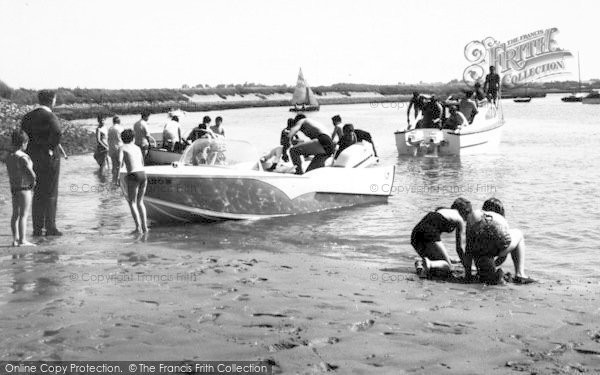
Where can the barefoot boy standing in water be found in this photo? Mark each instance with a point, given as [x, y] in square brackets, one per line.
[135, 179]
[22, 180]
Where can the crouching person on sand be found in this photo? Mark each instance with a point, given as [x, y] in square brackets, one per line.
[427, 242]
[490, 240]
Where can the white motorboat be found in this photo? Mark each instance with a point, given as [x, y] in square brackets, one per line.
[482, 135]
[222, 179]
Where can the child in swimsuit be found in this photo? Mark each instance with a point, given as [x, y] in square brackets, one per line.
[135, 180]
[22, 180]
[427, 242]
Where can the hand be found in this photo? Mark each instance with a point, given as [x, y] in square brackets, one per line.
[285, 158]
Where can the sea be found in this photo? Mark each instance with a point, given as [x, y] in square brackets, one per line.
[546, 171]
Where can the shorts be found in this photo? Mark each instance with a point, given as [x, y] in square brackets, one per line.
[487, 270]
[137, 177]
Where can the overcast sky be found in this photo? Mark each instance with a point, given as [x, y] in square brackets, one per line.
[149, 44]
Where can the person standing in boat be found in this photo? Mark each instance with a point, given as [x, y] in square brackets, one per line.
[468, 107]
[492, 85]
[172, 134]
[427, 242]
[338, 132]
[320, 146]
[140, 131]
[432, 114]
[218, 127]
[417, 102]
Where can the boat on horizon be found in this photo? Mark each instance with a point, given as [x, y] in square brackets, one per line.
[573, 98]
[223, 179]
[522, 99]
[481, 136]
[303, 99]
[591, 98]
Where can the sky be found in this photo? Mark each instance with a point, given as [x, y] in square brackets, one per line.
[166, 44]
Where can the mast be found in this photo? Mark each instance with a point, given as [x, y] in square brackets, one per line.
[579, 71]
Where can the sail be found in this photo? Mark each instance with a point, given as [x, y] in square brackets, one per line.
[303, 95]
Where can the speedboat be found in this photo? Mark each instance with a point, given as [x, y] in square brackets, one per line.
[223, 179]
[572, 98]
[480, 136]
[525, 99]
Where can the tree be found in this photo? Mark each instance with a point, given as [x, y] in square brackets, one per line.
[5, 90]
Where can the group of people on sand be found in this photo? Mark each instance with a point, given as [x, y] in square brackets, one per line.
[452, 114]
[320, 143]
[483, 238]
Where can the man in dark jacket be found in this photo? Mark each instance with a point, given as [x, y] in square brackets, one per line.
[43, 128]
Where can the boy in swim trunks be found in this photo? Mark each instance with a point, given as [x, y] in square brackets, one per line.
[22, 180]
[135, 180]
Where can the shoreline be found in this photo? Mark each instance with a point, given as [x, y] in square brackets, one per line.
[305, 313]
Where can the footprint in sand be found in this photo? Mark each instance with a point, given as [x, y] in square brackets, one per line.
[362, 326]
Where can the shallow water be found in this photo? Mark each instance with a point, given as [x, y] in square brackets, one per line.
[545, 171]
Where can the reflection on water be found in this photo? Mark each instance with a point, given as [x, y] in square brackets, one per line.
[545, 171]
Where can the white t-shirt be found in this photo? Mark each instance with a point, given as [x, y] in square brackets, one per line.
[171, 131]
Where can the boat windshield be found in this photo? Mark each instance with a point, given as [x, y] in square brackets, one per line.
[221, 152]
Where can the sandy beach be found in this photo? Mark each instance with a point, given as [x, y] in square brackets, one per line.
[304, 313]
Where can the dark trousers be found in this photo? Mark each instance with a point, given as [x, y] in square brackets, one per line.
[45, 193]
[321, 148]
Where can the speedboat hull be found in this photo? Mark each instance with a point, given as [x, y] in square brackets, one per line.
[482, 136]
[196, 193]
[161, 156]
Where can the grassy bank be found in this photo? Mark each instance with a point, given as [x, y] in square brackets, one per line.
[75, 140]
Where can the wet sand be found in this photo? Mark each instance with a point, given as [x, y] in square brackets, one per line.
[126, 300]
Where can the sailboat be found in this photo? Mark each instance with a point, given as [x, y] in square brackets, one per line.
[574, 98]
[304, 98]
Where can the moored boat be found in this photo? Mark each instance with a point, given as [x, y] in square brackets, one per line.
[222, 179]
[482, 135]
[522, 99]
[591, 98]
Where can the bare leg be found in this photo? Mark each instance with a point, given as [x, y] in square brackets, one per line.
[132, 193]
[517, 251]
[438, 257]
[13, 220]
[26, 198]
[141, 206]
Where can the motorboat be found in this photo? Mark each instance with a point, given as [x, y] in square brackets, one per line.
[572, 98]
[480, 136]
[526, 99]
[591, 98]
[303, 99]
[223, 179]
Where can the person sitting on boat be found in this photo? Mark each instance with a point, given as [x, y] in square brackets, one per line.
[347, 139]
[492, 85]
[432, 114]
[320, 146]
[456, 120]
[281, 151]
[468, 107]
[338, 132]
[427, 242]
[218, 127]
[490, 240]
[201, 131]
[417, 102]
[172, 133]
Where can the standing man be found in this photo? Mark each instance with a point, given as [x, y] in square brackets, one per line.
[140, 132]
[43, 128]
[338, 132]
[417, 101]
[492, 85]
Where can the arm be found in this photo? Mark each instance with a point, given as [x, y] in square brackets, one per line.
[410, 105]
[54, 132]
[29, 169]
